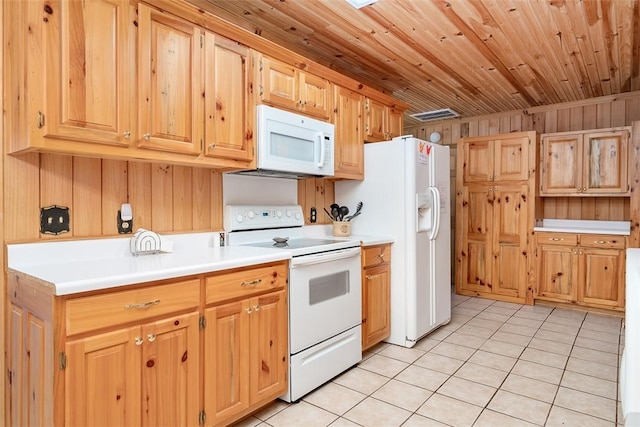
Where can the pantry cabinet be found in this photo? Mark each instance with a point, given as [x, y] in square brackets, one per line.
[246, 341]
[79, 56]
[583, 269]
[382, 122]
[495, 206]
[283, 85]
[585, 163]
[376, 294]
[349, 137]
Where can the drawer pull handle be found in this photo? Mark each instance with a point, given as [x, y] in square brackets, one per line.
[251, 283]
[139, 341]
[151, 337]
[381, 256]
[555, 239]
[142, 304]
[600, 242]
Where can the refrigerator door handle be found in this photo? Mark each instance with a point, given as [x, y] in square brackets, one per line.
[436, 212]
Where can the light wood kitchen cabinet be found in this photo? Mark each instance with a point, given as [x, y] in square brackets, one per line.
[246, 341]
[585, 164]
[382, 122]
[229, 103]
[495, 206]
[497, 158]
[119, 357]
[283, 85]
[349, 137]
[80, 83]
[582, 269]
[376, 294]
[170, 82]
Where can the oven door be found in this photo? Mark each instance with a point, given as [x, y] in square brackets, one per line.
[325, 296]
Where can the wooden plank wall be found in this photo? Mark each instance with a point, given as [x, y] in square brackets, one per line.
[164, 198]
[596, 113]
[3, 304]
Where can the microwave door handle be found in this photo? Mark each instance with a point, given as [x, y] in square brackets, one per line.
[322, 150]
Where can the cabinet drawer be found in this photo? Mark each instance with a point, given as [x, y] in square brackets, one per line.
[376, 255]
[93, 312]
[245, 282]
[602, 241]
[563, 239]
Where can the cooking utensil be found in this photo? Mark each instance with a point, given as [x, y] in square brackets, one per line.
[344, 211]
[335, 213]
[330, 216]
[356, 213]
[334, 205]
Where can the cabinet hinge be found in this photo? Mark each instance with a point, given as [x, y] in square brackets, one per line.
[261, 90]
[260, 66]
[9, 376]
[202, 417]
[203, 322]
[40, 123]
[201, 144]
[63, 361]
[201, 41]
[366, 104]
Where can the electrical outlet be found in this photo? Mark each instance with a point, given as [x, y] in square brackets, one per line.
[313, 217]
[124, 227]
[54, 219]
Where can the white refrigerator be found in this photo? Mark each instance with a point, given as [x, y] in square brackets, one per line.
[405, 195]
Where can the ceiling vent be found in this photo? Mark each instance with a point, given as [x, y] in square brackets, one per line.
[429, 116]
[359, 4]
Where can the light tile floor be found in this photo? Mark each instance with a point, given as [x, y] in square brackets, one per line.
[495, 364]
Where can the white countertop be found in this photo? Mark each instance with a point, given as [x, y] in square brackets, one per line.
[324, 230]
[86, 265]
[622, 228]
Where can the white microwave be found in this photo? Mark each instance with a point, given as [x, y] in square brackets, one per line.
[293, 146]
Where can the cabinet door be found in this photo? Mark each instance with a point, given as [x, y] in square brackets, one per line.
[170, 377]
[229, 106]
[226, 361]
[102, 379]
[395, 123]
[315, 94]
[279, 84]
[478, 161]
[605, 163]
[561, 165]
[601, 277]
[557, 272]
[376, 304]
[349, 139]
[511, 159]
[87, 71]
[474, 249]
[509, 246]
[375, 121]
[268, 346]
[170, 83]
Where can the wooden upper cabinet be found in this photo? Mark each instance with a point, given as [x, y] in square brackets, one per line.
[500, 159]
[349, 142]
[229, 104]
[84, 72]
[283, 85]
[382, 122]
[586, 163]
[170, 83]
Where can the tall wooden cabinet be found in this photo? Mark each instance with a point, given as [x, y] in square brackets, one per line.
[494, 225]
[376, 294]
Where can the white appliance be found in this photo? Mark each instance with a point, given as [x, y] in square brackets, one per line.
[630, 361]
[325, 292]
[406, 196]
[292, 146]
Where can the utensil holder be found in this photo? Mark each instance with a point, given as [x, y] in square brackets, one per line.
[342, 228]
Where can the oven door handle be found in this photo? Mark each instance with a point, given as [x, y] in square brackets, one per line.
[324, 257]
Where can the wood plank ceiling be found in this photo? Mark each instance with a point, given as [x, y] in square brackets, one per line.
[473, 56]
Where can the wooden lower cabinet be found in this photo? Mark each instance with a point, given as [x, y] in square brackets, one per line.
[581, 269]
[376, 294]
[142, 355]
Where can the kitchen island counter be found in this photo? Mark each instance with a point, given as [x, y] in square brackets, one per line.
[70, 267]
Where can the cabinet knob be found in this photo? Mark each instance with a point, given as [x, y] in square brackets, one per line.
[248, 310]
[256, 307]
[584, 189]
[381, 256]
[600, 242]
[368, 277]
[555, 239]
[212, 145]
[578, 189]
[139, 341]
[127, 134]
[151, 337]
[146, 136]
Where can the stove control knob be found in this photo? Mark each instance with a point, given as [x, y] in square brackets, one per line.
[279, 213]
[239, 218]
[288, 213]
[250, 214]
[298, 216]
